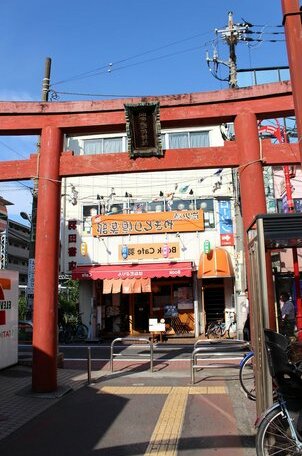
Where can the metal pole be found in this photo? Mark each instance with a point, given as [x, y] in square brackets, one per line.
[111, 352]
[195, 301]
[192, 369]
[89, 365]
[151, 356]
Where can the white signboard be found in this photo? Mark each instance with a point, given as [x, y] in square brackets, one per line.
[154, 326]
[9, 287]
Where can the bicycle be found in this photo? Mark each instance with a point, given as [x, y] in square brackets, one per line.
[279, 429]
[74, 330]
[246, 375]
[217, 329]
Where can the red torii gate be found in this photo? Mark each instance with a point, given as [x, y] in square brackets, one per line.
[52, 120]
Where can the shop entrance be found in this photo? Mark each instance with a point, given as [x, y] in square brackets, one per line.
[213, 299]
[141, 303]
[114, 318]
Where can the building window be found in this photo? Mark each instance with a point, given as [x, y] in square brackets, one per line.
[207, 205]
[103, 146]
[109, 144]
[88, 212]
[186, 139]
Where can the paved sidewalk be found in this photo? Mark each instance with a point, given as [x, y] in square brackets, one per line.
[130, 412]
[17, 406]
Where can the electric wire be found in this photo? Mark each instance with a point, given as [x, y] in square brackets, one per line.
[122, 68]
[96, 70]
[254, 32]
[12, 150]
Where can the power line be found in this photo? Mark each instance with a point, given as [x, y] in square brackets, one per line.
[54, 92]
[12, 150]
[95, 94]
[260, 40]
[261, 32]
[266, 25]
[109, 66]
[22, 185]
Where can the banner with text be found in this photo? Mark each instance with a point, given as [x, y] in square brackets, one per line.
[225, 223]
[149, 251]
[147, 223]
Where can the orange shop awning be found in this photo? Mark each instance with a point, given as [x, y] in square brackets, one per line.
[133, 271]
[216, 263]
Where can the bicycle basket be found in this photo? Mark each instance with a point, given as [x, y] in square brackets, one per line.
[277, 338]
[286, 376]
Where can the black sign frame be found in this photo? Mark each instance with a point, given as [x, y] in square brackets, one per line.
[143, 130]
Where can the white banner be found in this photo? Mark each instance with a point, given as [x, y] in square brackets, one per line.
[9, 290]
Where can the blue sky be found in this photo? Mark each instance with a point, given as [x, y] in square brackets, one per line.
[155, 47]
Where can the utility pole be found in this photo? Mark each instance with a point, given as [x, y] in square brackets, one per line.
[33, 219]
[46, 79]
[231, 38]
[232, 34]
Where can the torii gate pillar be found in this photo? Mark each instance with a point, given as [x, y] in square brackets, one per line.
[44, 370]
[252, 189]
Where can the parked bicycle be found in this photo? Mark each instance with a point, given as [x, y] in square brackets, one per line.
[246, 375]
[73, 330]
[218, 329]
[279, 429]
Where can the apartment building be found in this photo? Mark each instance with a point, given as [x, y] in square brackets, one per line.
[152, 245]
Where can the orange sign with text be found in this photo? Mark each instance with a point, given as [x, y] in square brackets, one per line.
[147, 223]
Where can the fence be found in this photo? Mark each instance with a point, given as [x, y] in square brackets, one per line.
[223, 349]
[134, 341]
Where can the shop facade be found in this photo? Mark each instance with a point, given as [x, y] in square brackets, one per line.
[154, 245]
[127, 296]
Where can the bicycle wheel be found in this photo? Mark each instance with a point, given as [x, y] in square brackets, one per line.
[81, 332]
[274, 436]
[247, 377]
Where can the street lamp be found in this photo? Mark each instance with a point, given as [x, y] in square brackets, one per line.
[25, 216]
[31, 266]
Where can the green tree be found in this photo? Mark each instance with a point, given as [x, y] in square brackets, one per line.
[69, 299]
[22, 308]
